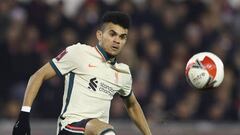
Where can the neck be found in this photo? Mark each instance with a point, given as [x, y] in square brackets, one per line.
[106, 55]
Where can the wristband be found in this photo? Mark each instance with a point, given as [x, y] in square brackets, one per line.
[26, 108]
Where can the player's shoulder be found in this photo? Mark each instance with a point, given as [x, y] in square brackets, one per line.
[125, 71]
[79, 46]
[80, 49]
[123, 67]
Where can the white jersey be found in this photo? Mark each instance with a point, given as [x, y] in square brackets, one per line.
[91, 80]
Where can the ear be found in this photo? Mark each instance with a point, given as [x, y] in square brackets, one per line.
[99, 35]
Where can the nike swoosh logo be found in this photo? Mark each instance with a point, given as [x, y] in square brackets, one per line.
[90, 65]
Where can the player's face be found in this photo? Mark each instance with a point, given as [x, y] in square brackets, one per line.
[112, 38]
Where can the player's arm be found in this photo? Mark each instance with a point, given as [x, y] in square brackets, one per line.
[136, 114]
[22, 126]
[44, 73]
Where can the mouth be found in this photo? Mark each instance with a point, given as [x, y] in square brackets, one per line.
[114, 48]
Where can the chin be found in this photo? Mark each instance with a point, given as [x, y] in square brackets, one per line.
[113, 54]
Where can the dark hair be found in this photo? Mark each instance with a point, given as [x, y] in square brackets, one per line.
[116, 17]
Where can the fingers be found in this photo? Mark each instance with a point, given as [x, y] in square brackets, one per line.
[20, 129]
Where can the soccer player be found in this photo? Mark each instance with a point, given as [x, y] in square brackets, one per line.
[92, 76]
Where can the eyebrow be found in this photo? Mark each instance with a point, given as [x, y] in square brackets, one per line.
[124, 34]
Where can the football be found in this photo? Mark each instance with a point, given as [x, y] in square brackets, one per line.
[204, 70]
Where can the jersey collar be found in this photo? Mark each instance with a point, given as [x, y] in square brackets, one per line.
[105, 56]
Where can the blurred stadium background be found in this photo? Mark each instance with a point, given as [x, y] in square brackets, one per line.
[163, 36]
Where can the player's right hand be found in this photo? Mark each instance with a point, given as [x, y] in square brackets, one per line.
[22, 126]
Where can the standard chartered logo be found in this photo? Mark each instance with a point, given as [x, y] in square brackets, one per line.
[93, 85]
[107, 89]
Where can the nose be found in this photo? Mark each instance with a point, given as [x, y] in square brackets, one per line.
[116, 40]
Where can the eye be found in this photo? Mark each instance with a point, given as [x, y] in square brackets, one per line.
[111, 33]
[123, 37]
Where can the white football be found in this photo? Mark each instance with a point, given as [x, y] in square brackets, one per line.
[204, 70]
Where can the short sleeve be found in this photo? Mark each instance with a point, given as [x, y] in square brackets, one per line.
[126, 90]
[65, 61]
